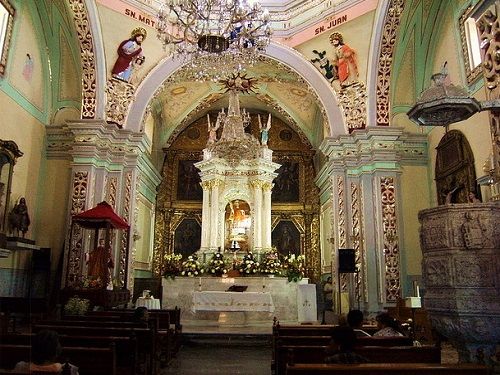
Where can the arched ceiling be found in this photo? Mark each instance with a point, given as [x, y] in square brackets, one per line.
[278, 90]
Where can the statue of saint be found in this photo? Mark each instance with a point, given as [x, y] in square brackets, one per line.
[129, 55]
[19, 218]
[344, 59]
[264, 130]
[100, 263]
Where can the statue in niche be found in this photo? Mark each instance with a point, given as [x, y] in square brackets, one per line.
[238, 221]
[19, 219]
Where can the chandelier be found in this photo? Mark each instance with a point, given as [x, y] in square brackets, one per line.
[235, 144]
[216, 37]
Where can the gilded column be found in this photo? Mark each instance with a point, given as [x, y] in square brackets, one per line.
[214, 214]
[258, 217]
[266, 215]
[205, 216]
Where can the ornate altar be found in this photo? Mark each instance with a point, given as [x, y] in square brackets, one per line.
[91, 273]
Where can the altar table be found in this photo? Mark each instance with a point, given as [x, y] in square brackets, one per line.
[232, 301]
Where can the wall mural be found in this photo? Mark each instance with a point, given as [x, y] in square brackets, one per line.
[188, 187]
[187, 237]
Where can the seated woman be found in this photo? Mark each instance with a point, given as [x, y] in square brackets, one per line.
[341, 350]
[387, 325]
[45, 348]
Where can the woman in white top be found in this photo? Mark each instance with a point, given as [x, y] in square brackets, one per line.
[388, 326]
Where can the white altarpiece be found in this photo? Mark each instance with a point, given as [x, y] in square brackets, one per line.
[236, 170]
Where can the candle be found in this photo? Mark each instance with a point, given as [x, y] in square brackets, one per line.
[418, 291]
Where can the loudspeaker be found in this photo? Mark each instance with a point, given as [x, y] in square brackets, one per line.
[347, 261]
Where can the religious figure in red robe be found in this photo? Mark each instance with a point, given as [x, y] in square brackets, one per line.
[344, 59]
[129, 55]
[100, 262]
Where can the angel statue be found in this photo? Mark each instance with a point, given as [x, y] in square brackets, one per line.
[264, 130]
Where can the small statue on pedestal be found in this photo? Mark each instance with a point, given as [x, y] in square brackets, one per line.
[19, 219]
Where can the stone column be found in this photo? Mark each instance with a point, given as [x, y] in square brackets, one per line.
[214, 215]
[205, 216]
[258, 217]
[266, 215]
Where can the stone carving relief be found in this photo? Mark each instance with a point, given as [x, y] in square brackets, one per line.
[437, 272]
[352, 100]
[474, 271]
[472, 231]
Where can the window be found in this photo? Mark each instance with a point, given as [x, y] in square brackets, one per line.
[469, 36]
[6, 20]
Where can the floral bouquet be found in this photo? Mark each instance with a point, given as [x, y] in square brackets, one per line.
[172, 266]
[294, 267]
[248, 265]
[217, 265]
[76, 306]
[191, 267]
[271, 263]
[92, 283]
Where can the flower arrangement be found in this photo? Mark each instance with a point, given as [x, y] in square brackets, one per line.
[76, 306]
[294, 267]
[271, 263]
[248, 265]
[216, 265]
[92, 283]
[191, 267]
[172, 266]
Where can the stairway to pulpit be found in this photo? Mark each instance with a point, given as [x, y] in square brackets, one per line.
[222, 353]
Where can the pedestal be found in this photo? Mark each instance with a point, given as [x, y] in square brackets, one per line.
[461, 263]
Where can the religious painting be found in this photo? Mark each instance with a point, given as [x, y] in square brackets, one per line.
[286, 238]
[187, 237]
[286, 185]
[188, 181]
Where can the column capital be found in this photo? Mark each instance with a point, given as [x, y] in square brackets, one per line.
[267, 186]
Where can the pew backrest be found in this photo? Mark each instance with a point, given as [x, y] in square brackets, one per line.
[387, 368]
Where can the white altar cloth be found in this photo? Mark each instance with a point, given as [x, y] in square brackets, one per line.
[232, 301]
[149, 303]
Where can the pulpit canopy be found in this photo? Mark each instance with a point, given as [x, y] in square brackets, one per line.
[100, 216]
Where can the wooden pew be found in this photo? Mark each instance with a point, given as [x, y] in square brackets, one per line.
[145, 341]
[387, 369]
[375, 354]
[90, 361]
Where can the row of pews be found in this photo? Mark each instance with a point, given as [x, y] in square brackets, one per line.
[105, 342]
[301, 349]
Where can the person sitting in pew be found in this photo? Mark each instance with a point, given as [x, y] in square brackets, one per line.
[141, 315]
[387, 325]
[341, 349]
[355, 321]
[45, 348]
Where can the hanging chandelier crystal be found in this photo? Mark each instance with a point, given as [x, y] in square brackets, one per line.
[216, 37]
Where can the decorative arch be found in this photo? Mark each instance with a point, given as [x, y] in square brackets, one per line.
[285, 55]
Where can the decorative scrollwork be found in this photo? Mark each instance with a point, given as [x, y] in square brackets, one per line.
[352, 100]
[87, 54]
[391, 246]
[391, 24]
[119, 96]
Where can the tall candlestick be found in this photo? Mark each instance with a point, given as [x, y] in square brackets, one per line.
[418, 291]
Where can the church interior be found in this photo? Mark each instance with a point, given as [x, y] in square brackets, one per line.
[218, 161]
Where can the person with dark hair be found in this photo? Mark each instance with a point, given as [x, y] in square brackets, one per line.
[355, 321]
[341, 350]
[387, 325]
[45, 348]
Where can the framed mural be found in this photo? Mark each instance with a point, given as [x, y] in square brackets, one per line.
[188, 181]
[187, 237]
[286, 238]
[286, 185]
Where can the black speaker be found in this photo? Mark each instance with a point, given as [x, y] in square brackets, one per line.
[347, 261]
